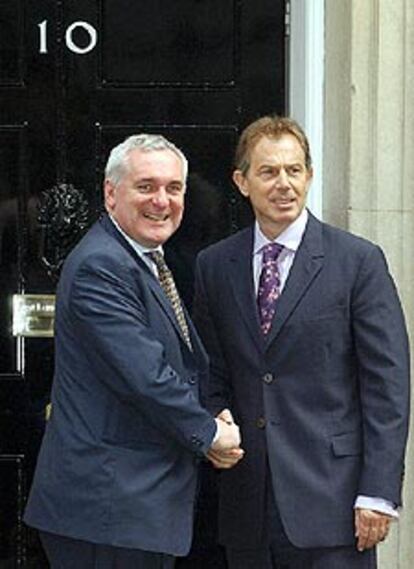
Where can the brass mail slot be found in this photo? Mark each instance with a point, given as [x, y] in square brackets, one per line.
[33, 315]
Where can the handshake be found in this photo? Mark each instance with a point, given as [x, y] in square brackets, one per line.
[225, 452]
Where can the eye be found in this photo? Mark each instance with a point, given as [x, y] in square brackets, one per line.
[295, 170]
[266, 173]
[144, 187]
[175, 189]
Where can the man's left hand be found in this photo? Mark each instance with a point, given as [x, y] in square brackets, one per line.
[371, 527]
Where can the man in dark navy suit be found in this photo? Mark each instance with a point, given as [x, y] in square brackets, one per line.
[309, 352]
[116, 476]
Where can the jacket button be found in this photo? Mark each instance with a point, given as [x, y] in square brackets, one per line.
[268, 378]
[261, 423]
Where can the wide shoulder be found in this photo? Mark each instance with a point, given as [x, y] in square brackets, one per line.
[100, 249]
[341, 248]
[345, 240]
[229, 245]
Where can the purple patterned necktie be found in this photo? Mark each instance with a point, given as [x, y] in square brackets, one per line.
[269, 285]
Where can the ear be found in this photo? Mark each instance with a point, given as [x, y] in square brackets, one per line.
[109, 195]
[240, 181]
[310, 178]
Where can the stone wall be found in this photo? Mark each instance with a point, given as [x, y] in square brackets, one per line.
[369, 163]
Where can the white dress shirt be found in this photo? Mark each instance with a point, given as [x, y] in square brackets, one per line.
[291, 239]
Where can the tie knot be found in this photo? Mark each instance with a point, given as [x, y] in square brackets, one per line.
[271, 252]
[157, 257]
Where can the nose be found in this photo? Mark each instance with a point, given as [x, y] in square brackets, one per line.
[160, 198]
[282, 180]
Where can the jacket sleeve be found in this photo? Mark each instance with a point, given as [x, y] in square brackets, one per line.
[382, 351]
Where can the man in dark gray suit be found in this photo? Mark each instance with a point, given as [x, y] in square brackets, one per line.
[309, 352]
[116, 476]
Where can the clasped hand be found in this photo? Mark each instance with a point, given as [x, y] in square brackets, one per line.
[225, 452]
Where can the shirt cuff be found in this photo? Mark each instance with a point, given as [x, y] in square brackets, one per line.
[377, 504]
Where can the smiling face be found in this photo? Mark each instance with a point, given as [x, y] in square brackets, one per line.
[276, 182]
[148, 203]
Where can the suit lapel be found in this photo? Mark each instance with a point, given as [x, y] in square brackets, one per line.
[307, 264]
[198, 347]
[241, 279]
[159, 294]
[164, 302]
[150, 278]
[110, 228]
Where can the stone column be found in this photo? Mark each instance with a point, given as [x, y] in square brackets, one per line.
[369, 163]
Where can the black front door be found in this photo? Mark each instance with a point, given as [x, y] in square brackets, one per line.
[77, 77]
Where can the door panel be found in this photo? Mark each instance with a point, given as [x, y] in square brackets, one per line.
[76, 77]
[192, 44]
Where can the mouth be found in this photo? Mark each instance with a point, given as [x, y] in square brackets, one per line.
[157, 217]
[284, 202]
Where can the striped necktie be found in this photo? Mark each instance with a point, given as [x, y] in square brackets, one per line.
[168, 285]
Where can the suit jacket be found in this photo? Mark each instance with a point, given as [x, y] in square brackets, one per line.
[324, 398]
[118, 463]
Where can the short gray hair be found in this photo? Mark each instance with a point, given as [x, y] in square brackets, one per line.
[117, 164]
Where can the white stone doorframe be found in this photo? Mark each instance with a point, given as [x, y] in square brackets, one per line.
[306, 82]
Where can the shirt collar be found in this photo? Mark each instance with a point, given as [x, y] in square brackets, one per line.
[290, 238]
[138, 248]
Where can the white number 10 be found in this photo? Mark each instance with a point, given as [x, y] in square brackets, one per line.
[70, 44]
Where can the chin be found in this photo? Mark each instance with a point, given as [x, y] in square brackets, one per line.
[160, 238]
[288, 216]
